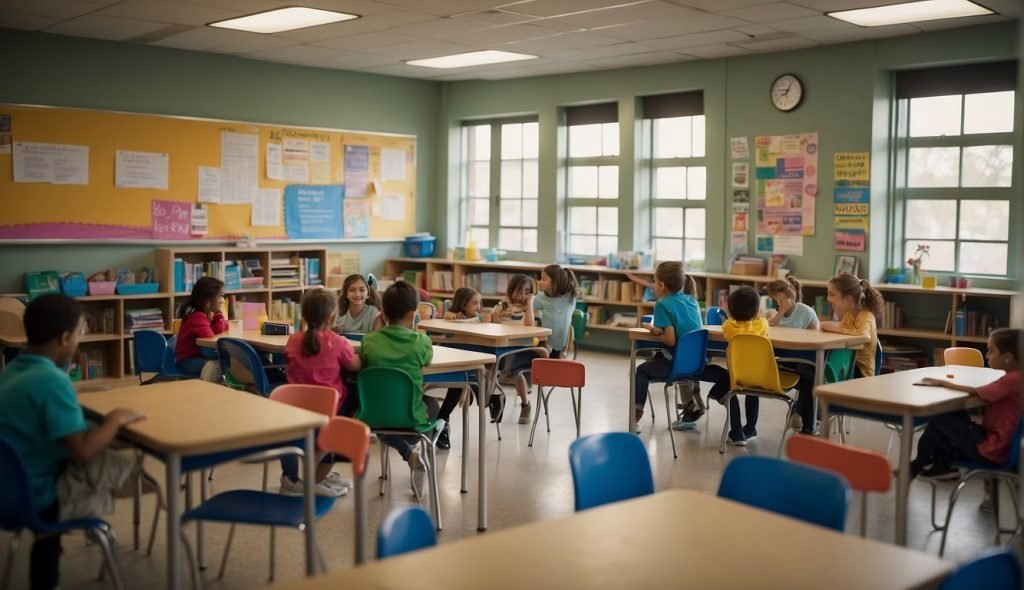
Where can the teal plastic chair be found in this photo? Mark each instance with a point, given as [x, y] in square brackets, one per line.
[579, 322]
[403, 530]
[992, 570]
[799, 491]
[839, 365]
[609, 467]
[688, 361]
[387, 397]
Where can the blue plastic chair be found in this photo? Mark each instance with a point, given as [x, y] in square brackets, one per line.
[716, 316]
[799, 491]
[18, 512]
[403, 530]
[354, 336]
[242, 366]
[996, 569]
[153, 354]
[609, 467]
[688, 361]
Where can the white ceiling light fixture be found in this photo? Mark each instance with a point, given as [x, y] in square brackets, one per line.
[909, 12]
[473, 58]
[283, 19]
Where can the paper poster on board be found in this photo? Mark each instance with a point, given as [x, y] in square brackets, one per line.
[313, 212]
[786, 182]
[357, 218]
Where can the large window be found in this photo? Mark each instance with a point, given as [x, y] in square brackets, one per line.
[955, 179]
[675, 176]
[500, 194]
[592, 176]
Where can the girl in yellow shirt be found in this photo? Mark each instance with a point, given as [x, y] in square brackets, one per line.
[859, 304]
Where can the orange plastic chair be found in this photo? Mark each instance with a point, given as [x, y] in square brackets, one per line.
[552, 373]
[962, 355]
[867, 471]
[351, 438]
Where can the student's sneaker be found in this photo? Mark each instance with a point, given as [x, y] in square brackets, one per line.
[335, 480]
[444, 441]
[496, 408]
[750, 433]
[737, 439]
[638, 414]
[417, 473]
[691, 415]
[294, 488]
[939, 473]
[684, 424]
[986, 503]
[796, 422]
[525, 411]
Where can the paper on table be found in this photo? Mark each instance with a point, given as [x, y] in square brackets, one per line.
[209, 184]
[51, 162]
[239, 167]
[140, 169]
[266, 207]
[392, 164]
[393, 207]
[274, 164]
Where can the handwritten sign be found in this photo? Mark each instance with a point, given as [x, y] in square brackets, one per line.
[851, 208]
[850, 240]
[172, 220]
[852, 167]
[852, 222]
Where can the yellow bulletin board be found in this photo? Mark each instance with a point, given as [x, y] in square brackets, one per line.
[100, 210]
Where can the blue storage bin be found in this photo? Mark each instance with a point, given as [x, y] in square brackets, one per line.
[419, 246]
[72, 284]
[138, 289]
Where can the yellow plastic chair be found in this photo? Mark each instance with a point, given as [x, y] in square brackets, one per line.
[962, 355]
[753, 371]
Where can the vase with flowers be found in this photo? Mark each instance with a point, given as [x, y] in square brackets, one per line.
[915, 262]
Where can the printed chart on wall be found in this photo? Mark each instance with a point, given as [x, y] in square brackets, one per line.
[786, 185]
[851, 200]
[96, 175]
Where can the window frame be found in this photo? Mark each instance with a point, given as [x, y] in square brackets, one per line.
[590, 115]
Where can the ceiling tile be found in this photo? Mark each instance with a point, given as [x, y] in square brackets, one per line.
[698, 39]
[439, 28]
[202, 39]
[254, 42]
[363, 42]
[60, 9]
[632, 13]
[422, 48]
[163, 11]
[543, 70]
[779, 44]
[500, 35]
[548, 8]
[242, 6]
[1014, 8]
[566, 41]
[360, 7]
[672, 28]
[556, 25]
[832, 36]
[830, 5]
[716, 51]
[446, 7]
[366, 24]
[640, 59]
[494, 17]
[953, 23]
[26, 22]
[811, 23]
[407, 71]
[719, 5]
[347, 60]
[294, 54]
[104, 27]
[755, 29]
[767, 13]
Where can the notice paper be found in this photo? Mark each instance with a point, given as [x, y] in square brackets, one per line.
[392, 164]
[792, 245]
[239, 167]
[200, 220]
[266, 207]
[393, 207]
[51, 162]
[739, 148]
[296, 160]
[357, 170]
[140, 170]
[171, 220]
[356, 216]
[319, 162]
[209, 184]
[275, 167]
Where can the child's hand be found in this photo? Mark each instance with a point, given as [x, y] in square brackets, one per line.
[451, 315]
[125, 416]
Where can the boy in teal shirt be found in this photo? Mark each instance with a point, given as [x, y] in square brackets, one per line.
[40, 416]
[398, 346]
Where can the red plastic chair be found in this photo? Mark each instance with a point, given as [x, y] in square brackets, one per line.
[351, 438]
[552, 373]
[867, 471]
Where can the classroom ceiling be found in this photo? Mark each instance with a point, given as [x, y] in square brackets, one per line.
[567, 35]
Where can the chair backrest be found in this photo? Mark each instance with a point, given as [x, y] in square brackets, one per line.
[150, 351]
[386, 398]
[879, 357]
[962, 355]
[806, 493]
[993, 569]
[839, 365]
[579, 324]
[609, 467]
[715, 316]
[690, 355]
[240, 362]
[315, 398]
[558, 373]
[426, 310]
[866, 471]
[405, 529]
[751, 360]
[17, 508]
[347, 437]
[11, 313]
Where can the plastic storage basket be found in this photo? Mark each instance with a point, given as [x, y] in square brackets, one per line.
[419, 246]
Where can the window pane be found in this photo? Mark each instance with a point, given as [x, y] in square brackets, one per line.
[512, 179]
[530, 213]
[511, 141]
[670, 183]
[698, 136]
[983, 258]
[668, 249]
[511, 212]
[697, 183]
[991, 112]
[479, 211]
[935, 115]
[672, 137]
[480, 142]
[940, 257]
[608, 182]
[530, 141]
[931, 218]
[584, 140]
[583, 182]
[695, 223]
[530, 179]
[610, 139]
[481, 236]
[529, 240]
[480, 179]
[583, 220]
[582, 244]
[984, 220]
[988, 165]
[668, 222]
[607, 245]
[694, 251]
[510, 239]
[608, 221]
[932, 167]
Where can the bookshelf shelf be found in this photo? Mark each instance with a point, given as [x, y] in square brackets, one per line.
[608, 328]
[100, 338]
[911, 333]
[974, 339]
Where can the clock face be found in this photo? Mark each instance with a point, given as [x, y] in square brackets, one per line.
[786, 92]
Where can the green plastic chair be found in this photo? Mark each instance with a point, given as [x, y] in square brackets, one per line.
[387, 397]
[579, 328]
[839, 365]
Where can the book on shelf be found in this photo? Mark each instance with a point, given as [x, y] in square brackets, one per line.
[415, 277]
[892, 316]
[147, 318]
[187, 273]
[232, 277]
[90, 364]
[309, 272]
[442, 280]
[970, 321]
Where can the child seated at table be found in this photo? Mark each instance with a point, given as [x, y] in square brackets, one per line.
[515, 308]
[954, 436]
[40, 416]
[790, 312]
[358, 307]
[201, 318]
[466, 306]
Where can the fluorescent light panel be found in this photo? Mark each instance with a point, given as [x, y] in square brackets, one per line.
[910, 12]
[473, 58]
[283, 19]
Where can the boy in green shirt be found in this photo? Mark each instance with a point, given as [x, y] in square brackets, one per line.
[40, 416]
[398, 346]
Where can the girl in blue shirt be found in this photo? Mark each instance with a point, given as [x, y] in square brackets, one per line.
[791, 313]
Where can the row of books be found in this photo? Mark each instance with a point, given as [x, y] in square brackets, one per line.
[489, 283]
[243, 274]
[612, 290]
[414, 277]
[187, 273]
[892, 317]
[286, 311]
[90, 364]
[970, 321]
[100, 321]
[284, 274]
[442, 280]
[147, 318]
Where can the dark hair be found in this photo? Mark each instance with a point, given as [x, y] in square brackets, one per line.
[744, 303]
[317, 305]
[49, 316]
[372, 298]
[462, 297]
[1006, 340]
[399, 299]
[864, 295]
[563, 281]
[788, 286]
[690, 287]
[204, 291]
[672, 274]
[517, 282]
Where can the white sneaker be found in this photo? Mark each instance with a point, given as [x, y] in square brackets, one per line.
[796, 422]
[295, 488]
[335, 480]
[417, 473]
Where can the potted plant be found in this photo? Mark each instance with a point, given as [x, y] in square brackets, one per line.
[915, 262]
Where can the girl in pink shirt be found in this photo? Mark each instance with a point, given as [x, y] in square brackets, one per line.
[317, 357]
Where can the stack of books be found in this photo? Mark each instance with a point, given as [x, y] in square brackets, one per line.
[442, 280]
[970, 321]
[415, 277]
[91, 365]
[892, 317]
[187, 273]
[147, 318]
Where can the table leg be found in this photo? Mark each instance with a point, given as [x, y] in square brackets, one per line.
[903, 479]
[825, 422]
[632, 385]
[200, 536]
[465, 439]
[308, 483]
[819, 379]
[481, 473]
[173, 490]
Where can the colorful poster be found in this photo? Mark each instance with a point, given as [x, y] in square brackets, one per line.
[852, 222]
[357, 218]
[852, 168]
[313, 212]
[357, 170]
[200, 220]
[738, 243]
[852, 208]
[5, 134]
[172, 220]
[850, 240]
[740, 174]
[792, 245]
[765, 244]
[786, 185]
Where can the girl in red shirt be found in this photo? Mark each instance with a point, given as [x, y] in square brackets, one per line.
[201, 318]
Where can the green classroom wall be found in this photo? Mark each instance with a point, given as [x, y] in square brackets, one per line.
[847, 89]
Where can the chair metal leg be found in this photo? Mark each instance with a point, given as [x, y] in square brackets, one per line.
[725, 427]
[949, 512]
[320, 559]
[273, 553]
[464, 488]
[227, 550]
[785, 431]
[193, 565]
[650, 404]
[137, 511]
[435, 489]
[210, 476]
[104, 537]
[383, 467]
[536, 417]
[668, 420]
[547, 414]
[863, 514]
[935, 523]
[12, 552]
[577, 406]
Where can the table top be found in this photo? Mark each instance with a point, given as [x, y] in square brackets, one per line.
[492, 334]
[788, 338]
[656, 541]
[896, 392]
[194, 417]
[253, 337]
